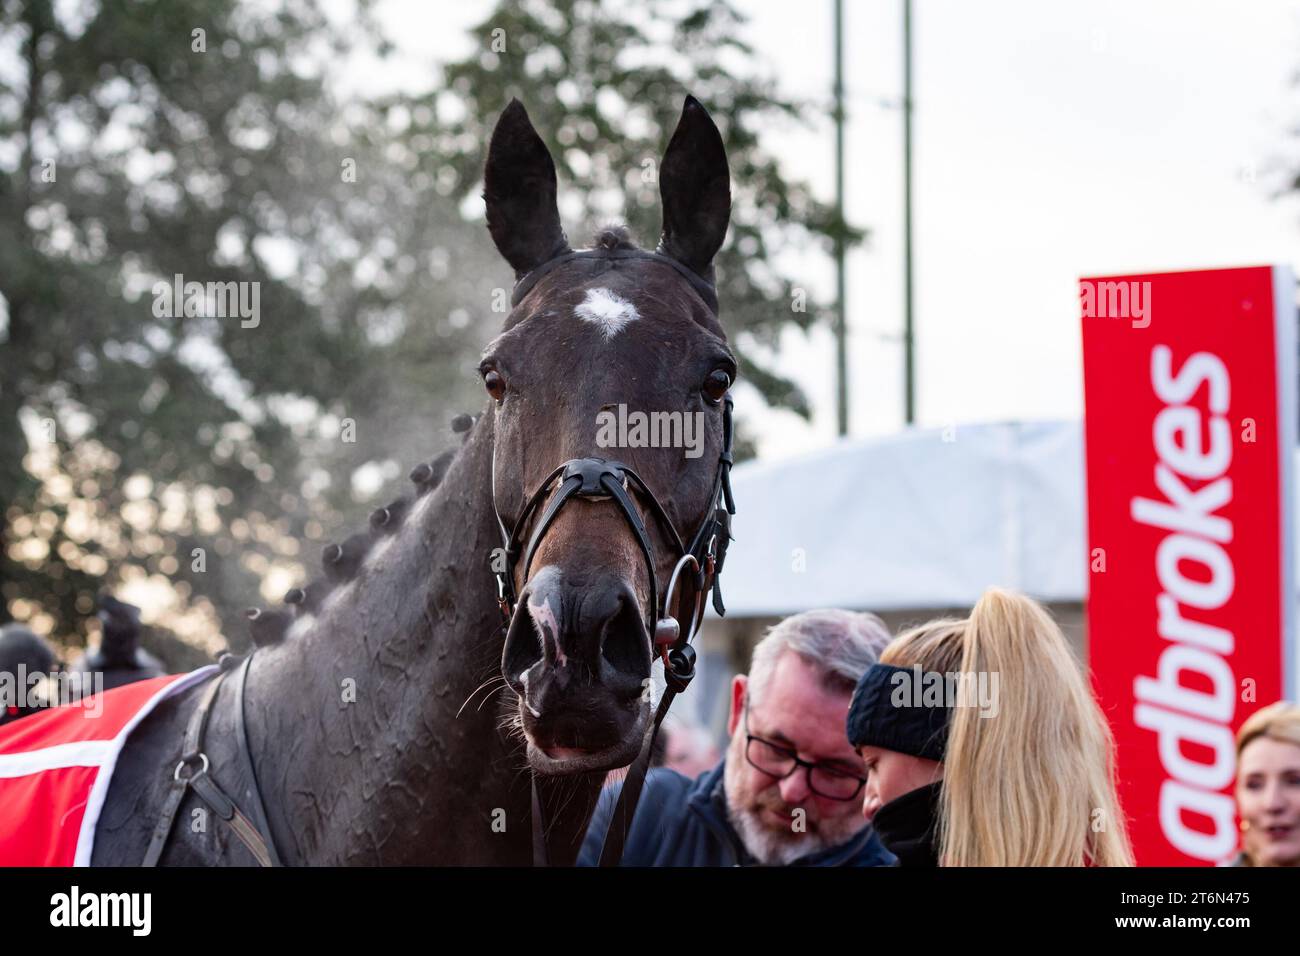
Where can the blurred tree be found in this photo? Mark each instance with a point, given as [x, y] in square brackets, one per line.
[139, 141]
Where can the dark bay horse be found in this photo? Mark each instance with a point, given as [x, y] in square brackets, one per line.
[376, 729]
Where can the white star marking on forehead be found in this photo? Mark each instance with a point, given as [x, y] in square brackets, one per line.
[606, 310]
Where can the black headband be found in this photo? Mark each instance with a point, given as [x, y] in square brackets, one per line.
[702, 285]
[888, 711]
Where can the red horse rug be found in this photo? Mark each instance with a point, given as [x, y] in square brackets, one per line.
[56, 765]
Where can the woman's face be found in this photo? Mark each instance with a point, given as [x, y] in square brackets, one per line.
[1268, 798]
[891, 774]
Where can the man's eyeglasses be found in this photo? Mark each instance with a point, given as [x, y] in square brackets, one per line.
[777, 761]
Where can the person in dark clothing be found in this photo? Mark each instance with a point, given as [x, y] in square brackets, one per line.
[119, 657]
[683, 822]
[908, 825]
[23, 655]
[984, 746]
[788, 791]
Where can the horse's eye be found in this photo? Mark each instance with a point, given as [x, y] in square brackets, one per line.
[495, 383]
[716, 385]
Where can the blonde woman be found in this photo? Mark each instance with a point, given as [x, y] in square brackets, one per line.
[984, 745]
[1268, 787]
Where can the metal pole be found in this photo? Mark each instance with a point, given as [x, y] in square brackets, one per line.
[909, 345]
[841, 325]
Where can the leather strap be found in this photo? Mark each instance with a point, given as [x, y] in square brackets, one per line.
[253, 793]
[568, 487]
[541, 856]
[159, 840]
[506, 579]
[256, 838]
[620, 822]
[615, 488]
[656, 508]
[679, 672]
[207, 790]
[190, 752]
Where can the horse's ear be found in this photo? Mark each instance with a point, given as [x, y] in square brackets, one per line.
[695, 186]
[519, 190]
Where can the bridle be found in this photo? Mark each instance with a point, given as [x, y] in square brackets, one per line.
[599, 479]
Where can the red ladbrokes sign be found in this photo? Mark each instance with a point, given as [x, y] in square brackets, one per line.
[1190, 426]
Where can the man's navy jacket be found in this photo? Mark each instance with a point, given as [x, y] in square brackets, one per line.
[683, 822]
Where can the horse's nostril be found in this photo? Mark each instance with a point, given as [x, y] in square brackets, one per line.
[522, 649]
[623, 641]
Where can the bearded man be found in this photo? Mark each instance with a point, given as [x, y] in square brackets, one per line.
[789, 790]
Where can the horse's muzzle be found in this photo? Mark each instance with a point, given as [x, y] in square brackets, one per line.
[578, 656]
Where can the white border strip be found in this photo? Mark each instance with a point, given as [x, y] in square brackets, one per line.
[79, 753]
[1285, 334]
[95, 803]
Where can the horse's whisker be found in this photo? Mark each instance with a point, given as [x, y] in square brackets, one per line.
[486, 683]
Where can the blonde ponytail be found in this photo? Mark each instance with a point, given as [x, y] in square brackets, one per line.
[1030, 781]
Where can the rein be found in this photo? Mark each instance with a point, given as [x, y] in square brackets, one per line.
[599, 479]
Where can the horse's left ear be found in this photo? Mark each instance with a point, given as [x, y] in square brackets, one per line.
[695, 186]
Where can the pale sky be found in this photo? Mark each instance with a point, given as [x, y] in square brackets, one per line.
[1051, 141]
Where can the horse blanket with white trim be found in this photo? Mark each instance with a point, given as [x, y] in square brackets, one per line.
[56, 767]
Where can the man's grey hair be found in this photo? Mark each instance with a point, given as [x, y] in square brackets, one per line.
[840, 645]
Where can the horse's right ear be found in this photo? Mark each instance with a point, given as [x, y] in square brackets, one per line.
[519, 190]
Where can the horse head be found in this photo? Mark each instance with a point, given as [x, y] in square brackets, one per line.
[611, 441]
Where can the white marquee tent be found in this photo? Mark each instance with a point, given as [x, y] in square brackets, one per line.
[925, 518]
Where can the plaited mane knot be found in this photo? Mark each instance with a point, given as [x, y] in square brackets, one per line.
[613, 237]
[342, 561]
[266, 627]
